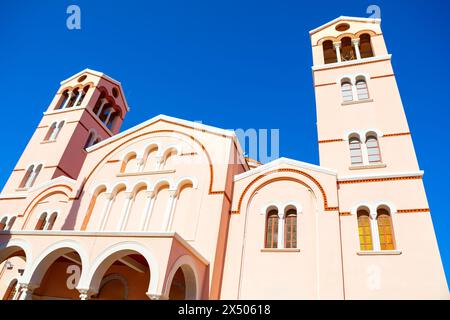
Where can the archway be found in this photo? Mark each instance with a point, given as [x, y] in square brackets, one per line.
[123, 271]
[182, 281]
[14, 256]
[56, 276]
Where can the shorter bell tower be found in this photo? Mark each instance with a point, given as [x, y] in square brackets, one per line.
[88, 108]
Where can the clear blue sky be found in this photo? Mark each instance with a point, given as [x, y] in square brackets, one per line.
[231, 64]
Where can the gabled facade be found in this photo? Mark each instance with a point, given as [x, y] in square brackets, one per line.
[171, 209]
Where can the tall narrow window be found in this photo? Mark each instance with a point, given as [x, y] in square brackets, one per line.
[290, 232]
[50, 132]
[385, 229]
[41, 222]
[355, 151]
[329, 53]
[347, 90]
[365, 233]
[33, 176]
[347, 51]
[361, 89]
[10, 223]
[272, 229]
[63, 100]
[27, 177]
[3, 223]
[373, 149]
[73, 98]
[365, 46]
[83, 94]
[51, 221]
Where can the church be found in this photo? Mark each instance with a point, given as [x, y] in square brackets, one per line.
[172, 209]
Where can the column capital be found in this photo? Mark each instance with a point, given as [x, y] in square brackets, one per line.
[157, 296]
[355, 41]
[85, 294]
[337, 44]
[150, 194]
[109, 195]
[128, 195]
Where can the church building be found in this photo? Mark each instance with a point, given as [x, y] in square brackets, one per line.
[172, 209]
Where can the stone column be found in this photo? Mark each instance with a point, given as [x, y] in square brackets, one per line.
[155, 296]
[69, 96]
[337, 46]
[375, 233]
[280, 239]
[355, 43]
[85, 294]
[125, 210]
[148, 210]
[26, 291]
[169, 210]
[106, 210]
[80, 94]
[99, 112]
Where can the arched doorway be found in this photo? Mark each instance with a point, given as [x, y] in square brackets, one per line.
[124, 275]
[183, 282]
[13, 259]
[57, 276]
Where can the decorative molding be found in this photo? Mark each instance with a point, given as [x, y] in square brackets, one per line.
[330, 141]
[280, 250]
[380, 253]
[397, 134]
[423, 210]
[345, 64]
[380, 177]
[284, 161]
[387, 135]
[282, 170]
[368, 180]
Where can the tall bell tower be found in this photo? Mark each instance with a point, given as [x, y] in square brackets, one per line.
[388, 240]
[88, 107]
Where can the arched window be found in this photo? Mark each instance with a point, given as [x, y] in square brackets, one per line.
[82, 95]
[365, 232]
[365, 46]
[3, 223]
[50, 131]
[361, 89]
[385, 231]
[11, 290]
[129, 163]
[10, 223]
[30, 176]
[26, 177]
[329, 53]
[33, 176]
[373, 149]
[272, 229]
[355, 150]
[110, 120]
[90, 140]
[347, 51]
[290, 231]
[41, 222]
[73, 98]
[51, 221]
[346, 90]
[63, 100]
[100, 103]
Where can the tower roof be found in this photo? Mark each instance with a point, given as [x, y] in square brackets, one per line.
[344, 18]
[100, 75]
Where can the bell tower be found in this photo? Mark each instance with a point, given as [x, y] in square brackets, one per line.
[88, 107]
[388, 240]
